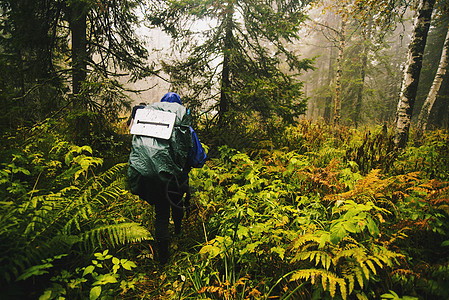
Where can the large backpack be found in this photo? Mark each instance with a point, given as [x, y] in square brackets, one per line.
[155, 158]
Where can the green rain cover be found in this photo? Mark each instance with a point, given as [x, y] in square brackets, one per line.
[153, 157]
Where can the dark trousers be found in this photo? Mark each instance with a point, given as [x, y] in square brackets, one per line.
[165, 194]
[167, 197]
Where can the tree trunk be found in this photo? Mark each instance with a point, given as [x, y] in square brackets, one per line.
[341, 49]
[423, 117]
[225, 73]
[328, 99]
[79, 45]
[364, 62]
[412, 71]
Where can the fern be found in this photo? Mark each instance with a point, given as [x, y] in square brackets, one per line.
[304, 239]
[51, 224]
[329, 280]
[346, 263]
[114, 235]
[319, 257]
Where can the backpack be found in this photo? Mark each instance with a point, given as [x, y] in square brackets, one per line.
[160, 159]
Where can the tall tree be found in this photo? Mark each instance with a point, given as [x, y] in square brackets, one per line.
[236, 64]
[77, 12]
[423, 117]
[339, 74]
[412, 72]
[363, 66]
[349, 79]
[96, 37]
[424, 114]
[29, 74]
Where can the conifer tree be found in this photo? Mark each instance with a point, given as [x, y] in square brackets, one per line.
[241, 62]
[78, 37]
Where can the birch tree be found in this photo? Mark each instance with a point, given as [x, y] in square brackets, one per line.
[424, 114]
[339, 73]
[412, 72]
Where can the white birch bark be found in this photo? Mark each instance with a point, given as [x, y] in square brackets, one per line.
[423, 117]
[412, 71]
[341, 49]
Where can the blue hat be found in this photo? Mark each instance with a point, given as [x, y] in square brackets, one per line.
[171, 97]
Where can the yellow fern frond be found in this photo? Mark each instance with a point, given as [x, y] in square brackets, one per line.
[418, 189]
[359, 275]
[361, 296]
[386, 256]
[364, 270]
[376, 260]
[351, 282]
[329, 280]
[303, 239]
[315, 256]
[352, 272]
[349, 239]
[371, 266]
[358, 253]
[304, 274]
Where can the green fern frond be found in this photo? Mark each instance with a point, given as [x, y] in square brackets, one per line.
[117, 234]
[79, 209]
[40, 208]
[113, 173]
[107, 187]
[52, 223]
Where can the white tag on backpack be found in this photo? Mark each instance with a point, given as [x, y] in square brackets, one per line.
[154, 123]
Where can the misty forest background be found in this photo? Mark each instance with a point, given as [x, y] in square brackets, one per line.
[326, 127]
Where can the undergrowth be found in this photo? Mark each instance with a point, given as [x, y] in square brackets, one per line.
[315, 213]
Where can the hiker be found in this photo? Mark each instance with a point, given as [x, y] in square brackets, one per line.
[159, 168]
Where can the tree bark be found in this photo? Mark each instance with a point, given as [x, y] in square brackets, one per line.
[328, 99]
[364, 63]
[341, 49]
[412, 72]
[225, 73]
[79, 45]
[423, 117]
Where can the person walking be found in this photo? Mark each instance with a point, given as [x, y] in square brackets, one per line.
[159, 168]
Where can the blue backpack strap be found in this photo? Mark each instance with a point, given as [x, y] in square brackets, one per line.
[197, 155]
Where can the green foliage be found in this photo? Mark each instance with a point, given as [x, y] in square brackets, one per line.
[263, 226]
[309, 220]
[375, 150]
[308, 224]
[99, 280]
[54, 204]
[431, 158]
